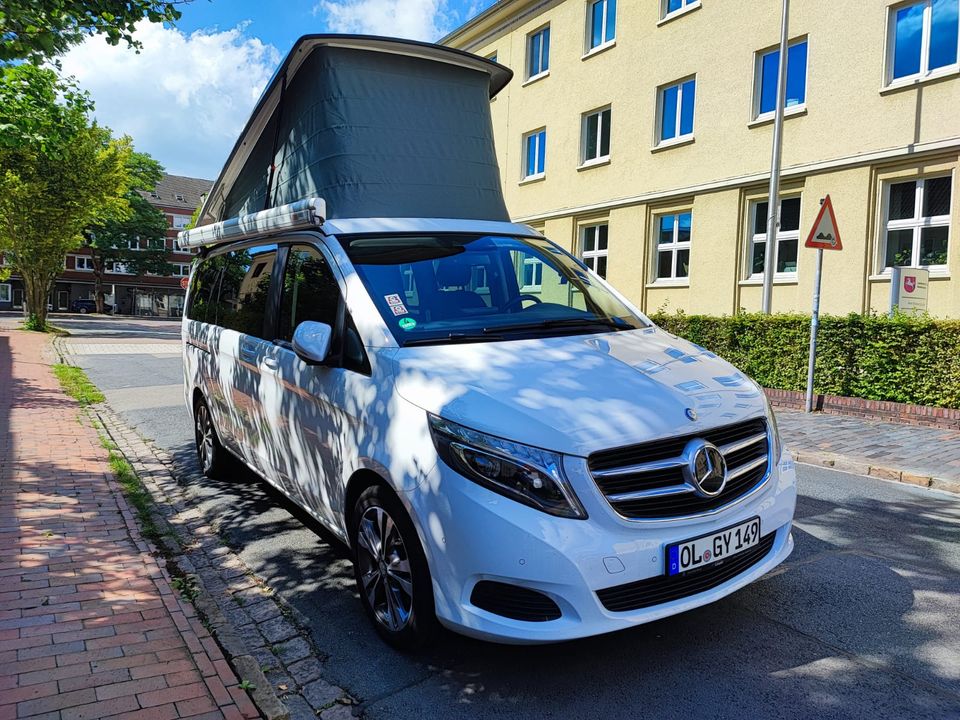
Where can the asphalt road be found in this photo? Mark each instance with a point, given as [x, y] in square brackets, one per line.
[863, 620]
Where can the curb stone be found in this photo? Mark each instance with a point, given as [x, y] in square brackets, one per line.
[221, 579]
[845, 464]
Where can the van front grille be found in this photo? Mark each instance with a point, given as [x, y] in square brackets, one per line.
[646, 481]
[664, 588]
[514, 602]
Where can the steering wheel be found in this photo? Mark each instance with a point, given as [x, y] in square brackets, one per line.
[518, 300]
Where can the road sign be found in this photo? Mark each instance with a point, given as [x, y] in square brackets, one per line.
[908, 290]
[184, 283]
[825, 235]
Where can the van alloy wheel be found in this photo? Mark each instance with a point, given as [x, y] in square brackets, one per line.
[205, 437]
[385, 569]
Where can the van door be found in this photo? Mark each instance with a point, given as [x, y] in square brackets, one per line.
[312, 410]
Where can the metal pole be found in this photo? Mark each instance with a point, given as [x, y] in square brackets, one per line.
[773, 196]
[814, 326]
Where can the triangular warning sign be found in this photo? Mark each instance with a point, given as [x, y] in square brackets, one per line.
[825, 234]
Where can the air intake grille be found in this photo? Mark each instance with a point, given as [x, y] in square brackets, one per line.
[646, 481]
[514, 602]
[664, 588]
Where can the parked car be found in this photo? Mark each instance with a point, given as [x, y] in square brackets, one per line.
[507, 445]
[84, 306]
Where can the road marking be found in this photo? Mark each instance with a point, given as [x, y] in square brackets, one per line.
[140, 348]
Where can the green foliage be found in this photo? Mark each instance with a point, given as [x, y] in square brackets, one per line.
[37, 30]
[77, 385]
[901, 359]
[58, 173]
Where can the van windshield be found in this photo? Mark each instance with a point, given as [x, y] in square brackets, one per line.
[446, 288]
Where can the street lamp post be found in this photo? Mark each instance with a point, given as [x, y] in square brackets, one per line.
[773, 196]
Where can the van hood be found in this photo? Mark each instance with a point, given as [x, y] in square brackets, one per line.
[579, 394]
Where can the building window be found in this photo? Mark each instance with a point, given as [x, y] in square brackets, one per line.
[673, 246]
[6, 293]
[116, 268]
[669, 7]
[767, 72]
[918, 223]
[83, 262]
[596, 137]
[788, 238]
[538, 52]
[180, 222]
[601, 23]
[676, 111]
[535, 154]
[532, 275]
[181, 270]
[593, 247]
[923, 38]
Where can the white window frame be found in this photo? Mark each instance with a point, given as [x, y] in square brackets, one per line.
[181, 269]
[679, 137]
[111, 268]
[758, 81]
[782, 235]
[673, 248]
[523, 155]
[685, 6]
[594, 255]
[925, 71]
[604, 43]
[6, 293]
[184, 220]
[584, 121]
[537, 265]
[86, 260]
[916, 223]
[528, 55]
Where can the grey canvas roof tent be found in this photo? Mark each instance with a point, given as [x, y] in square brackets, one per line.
[376, 127]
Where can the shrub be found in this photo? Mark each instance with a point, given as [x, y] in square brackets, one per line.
[903, 359]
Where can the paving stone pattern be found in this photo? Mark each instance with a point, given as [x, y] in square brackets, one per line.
[256, 628]
[90, 626]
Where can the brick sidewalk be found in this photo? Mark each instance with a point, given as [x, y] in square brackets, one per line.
[871, 447]
[89, 625]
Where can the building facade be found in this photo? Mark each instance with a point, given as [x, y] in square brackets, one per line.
[143, 295]
[639, 135]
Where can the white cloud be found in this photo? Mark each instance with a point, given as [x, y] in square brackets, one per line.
[184, 99]
[417, 19]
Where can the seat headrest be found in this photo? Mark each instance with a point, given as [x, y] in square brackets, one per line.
[454, 271]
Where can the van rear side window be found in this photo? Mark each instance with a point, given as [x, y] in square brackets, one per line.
[203, 292]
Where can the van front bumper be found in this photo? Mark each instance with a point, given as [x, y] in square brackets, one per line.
[471, 534]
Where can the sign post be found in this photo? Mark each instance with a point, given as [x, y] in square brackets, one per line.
[823, 236]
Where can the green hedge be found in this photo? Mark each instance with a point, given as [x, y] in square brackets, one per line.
[903, 359]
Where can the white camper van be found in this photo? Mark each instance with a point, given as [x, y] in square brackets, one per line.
[508, 446]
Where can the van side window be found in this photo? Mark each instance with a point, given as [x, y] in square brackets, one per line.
[245, 289]
[310, 291]
[203, 293]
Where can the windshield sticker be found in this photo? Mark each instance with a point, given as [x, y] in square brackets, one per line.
[399, 309]
[393, 299]
[407, 323]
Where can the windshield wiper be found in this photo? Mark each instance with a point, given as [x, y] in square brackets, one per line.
[454, 337]
[561, 323]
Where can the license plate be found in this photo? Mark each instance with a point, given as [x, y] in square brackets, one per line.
[713, 547]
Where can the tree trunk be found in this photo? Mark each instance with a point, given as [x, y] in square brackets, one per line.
[98, 280]
[37, 288]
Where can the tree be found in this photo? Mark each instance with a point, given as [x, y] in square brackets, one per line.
[58, 174]
[38, 30]
[136, 241]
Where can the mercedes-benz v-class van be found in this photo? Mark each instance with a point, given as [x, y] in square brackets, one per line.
[507, 445]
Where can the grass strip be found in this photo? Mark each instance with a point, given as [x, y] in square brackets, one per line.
[77, 385]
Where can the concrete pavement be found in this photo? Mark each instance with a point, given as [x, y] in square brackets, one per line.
[860, 621]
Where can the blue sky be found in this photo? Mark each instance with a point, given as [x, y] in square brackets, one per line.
[185, 97]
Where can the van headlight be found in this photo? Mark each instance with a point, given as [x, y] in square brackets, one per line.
[526, 474]
[776, 444]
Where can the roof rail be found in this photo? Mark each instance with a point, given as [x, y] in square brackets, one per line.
[308, 213]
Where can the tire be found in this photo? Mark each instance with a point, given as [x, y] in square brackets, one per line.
[83, 311]
[211, 455]
[393, 578]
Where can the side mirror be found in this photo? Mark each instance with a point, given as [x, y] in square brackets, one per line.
[311, 341]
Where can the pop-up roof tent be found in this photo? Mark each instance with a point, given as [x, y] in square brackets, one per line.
[377, 127]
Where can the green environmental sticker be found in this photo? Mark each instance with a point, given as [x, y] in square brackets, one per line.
[407, 323]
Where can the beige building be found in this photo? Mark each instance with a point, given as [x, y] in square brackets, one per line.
[639, 134]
